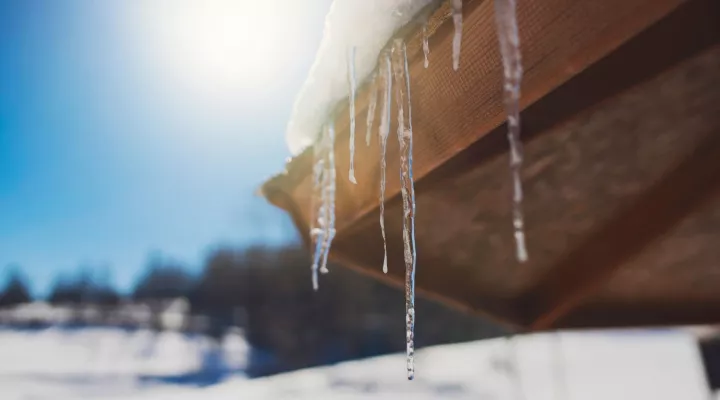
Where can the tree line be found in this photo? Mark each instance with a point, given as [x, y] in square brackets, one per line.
[267, 292]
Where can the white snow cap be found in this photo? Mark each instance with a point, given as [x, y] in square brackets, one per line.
[365, 24]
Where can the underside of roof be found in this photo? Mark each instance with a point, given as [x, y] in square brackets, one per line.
[621, 127]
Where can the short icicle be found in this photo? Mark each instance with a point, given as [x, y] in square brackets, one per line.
[405, 139]
[457, 16]
[512, 66]
[372, 104]
[353, 85]
[426, 45]
[317, 229]
[384, 133]
[328, 195]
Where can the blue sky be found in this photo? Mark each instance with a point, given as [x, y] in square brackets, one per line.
[141, 125]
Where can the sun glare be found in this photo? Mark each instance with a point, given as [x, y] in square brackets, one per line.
[220, 45]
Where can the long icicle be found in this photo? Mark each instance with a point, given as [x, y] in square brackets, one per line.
[384, 133]
[329, 179]
[405, 137]
[371, 108]
[512, 66]
[351, 78]
[410, 182]
[457, 15]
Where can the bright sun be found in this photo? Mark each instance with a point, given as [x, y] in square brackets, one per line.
[220, 44]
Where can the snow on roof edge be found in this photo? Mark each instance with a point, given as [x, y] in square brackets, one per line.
[365, 24]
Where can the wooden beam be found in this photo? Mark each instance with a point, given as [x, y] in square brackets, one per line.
[630, 232]
[452, 110]
[460, 140]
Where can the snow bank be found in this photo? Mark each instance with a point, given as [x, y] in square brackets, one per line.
[36, 312]
[93, 352]
[365, 24]
[662, 366]
[103, 363]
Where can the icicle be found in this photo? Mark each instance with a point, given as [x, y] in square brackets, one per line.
[409, 108]
[426, 45]
[351, 78]
[328, 189]
[371, 109]
[317, 230]
[323, 222]
[323, 229]
[512, 65]
[405, 139]
[384, 133]
[457, 37]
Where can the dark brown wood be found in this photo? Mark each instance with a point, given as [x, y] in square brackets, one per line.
[621, 126]
[633, 231]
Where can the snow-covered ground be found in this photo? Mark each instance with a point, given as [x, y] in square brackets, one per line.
[103, 363]
[106, 363]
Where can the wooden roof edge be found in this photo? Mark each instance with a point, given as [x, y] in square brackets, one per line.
[541, 315]
[298, 168]
[295, 170]
[275, 191]
[279, 188]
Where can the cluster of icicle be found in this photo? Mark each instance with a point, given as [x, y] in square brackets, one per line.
[394, 67]
[323, 229]
[393, 72]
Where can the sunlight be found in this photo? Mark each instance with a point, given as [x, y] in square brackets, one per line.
[219, 45]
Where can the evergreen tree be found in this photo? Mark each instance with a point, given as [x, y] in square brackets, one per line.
[16, 290]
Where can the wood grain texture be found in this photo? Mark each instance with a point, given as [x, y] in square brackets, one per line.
[453, 109]
[606, 124]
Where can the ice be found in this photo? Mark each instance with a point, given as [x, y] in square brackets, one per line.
[353, 88]
[405, 138]
[457, 16]
[317, 231]
[322, 231]
[512, 70]
[372, 104]
[329, 181]
[384, 133]
[367, 24]
[426, 46]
